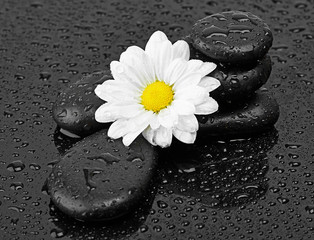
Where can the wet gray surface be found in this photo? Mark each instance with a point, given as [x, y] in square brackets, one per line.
[46, 45]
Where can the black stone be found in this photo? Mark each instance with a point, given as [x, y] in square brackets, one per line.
[101, 179]
[233, 37]
[74, 110]
[238, 83]
[257, 114]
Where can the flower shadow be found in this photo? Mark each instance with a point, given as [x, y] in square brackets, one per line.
[219, 173]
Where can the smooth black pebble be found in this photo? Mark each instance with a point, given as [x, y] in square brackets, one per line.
[74, 110]
[233, 37]
[101, 179]
[257, 114]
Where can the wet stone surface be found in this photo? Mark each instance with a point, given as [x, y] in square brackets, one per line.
[256, 114]
[48, 45]
[237, 82]
[240, 83]
[74, 109]
[232, 37]
[101, 179]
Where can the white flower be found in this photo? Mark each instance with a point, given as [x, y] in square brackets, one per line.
[156, 92]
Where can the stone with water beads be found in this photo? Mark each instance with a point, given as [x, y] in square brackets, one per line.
[233, 37]
[74, 109]
[101, 179]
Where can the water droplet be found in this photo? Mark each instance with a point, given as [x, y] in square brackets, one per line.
[88, 107]
[34, 166]
[282, 200]
[62, 113]
[214, 31]
[309, 209]
[16, 166]
[14, 221]
[57, 233]
[17, 185]
[239, 29]
[16, 209]
[44, 76]
[162, 204]
[106, 158]
[292, 146]
[294, 164]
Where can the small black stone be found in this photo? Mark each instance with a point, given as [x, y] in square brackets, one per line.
[101, 179]
[233, 37]
[74, 110]
[257, 114]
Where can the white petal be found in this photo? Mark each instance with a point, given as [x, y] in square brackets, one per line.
[187, 123]
[123, 73]
[143, 118]
[154, 122]
[201, 67]
[175, 71]
[149, 135]
[105, 113]
[110, 112]
[163, 137]
[194, 94]
[132, 51]
[167, 117]
[129, 110]
[186, 137]
[209, 106]
[139, 63]
[181, 49]
[130, 137]
[183, 107]
[156, 38]
[118, 129]
[188, 79]
[136, 126]
[209, 83]
[162, 59]
[112, 90]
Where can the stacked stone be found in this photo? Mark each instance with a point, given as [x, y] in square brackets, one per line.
[238, 43]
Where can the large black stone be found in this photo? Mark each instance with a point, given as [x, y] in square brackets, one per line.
[74, 110]
[257, 114]
[234, 37]
[101, 179]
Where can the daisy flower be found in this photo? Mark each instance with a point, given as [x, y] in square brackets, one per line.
[156, 92]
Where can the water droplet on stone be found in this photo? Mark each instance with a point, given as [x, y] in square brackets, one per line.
[16, 166]
[57, 233]
[310, 209]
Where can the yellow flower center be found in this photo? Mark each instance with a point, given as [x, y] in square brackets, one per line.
[156, 96]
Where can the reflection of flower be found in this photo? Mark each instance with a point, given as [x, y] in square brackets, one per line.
[156, 92]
